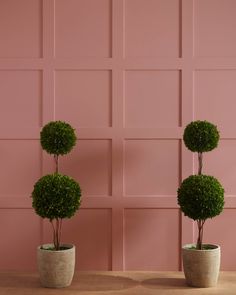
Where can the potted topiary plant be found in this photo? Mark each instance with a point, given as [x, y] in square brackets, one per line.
[201, 197]
[55, 197]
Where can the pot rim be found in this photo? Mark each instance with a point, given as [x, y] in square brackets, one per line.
[188, 247]
[44, 247]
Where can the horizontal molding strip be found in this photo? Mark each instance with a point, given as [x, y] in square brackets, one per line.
[134, 202]
[32, 133]
[130, 63]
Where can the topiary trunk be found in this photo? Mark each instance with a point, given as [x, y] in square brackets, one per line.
[200, 224]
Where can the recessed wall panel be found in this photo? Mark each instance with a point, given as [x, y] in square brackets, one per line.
[214, 28]
[21, 166]
[221, 163]
[21, 98]
[82, 28]
[218, 231]
[83, 98]
[20, 232]
[152, 28]
[149, 232]
[152, 98]
[214, 96]
[21, 29]
[151, 167]
[90, 164]
[90, 231]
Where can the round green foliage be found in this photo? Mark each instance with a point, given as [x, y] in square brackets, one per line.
[201, 136]
[56, 196]
[201, 197]
[57, 138]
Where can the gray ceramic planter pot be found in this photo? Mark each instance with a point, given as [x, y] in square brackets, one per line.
[201, 267]
[56, 268]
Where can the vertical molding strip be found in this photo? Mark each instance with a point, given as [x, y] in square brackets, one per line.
[48, 55]
[187, 102]
[117, 140]
[48, 80]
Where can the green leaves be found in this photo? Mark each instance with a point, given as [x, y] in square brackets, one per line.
[56, 196]
[201, 197]
[201, 136]
[57, 138]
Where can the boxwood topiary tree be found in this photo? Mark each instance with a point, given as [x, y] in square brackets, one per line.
[201, 196]
[56, 196]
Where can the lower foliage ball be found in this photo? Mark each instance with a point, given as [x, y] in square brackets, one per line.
[201, 197]
[56, 196]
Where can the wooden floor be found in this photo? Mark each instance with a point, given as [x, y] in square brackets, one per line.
[107, 283]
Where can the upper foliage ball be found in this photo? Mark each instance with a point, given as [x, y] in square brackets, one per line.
[201, 136]
[57, 138]
[56, 196]
[201, 197]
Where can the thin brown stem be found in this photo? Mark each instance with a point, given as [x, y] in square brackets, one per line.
[200, 163]
[200, 224]
[57, 227]
[54, 233]
[203, 221]
[56, 159]
[57, 235]
[60, 230]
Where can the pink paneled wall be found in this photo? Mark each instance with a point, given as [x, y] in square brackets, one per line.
[128, 75]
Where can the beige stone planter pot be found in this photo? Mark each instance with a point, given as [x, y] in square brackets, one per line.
[56, 268]
[201, 267]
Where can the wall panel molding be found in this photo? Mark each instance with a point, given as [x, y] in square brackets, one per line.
[128, 75]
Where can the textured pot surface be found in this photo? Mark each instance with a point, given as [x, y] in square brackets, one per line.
[201, 267]
[56, 268]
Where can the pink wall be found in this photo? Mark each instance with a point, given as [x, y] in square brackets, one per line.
[128, 75]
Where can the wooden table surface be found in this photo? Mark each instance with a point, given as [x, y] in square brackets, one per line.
[107, 283]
